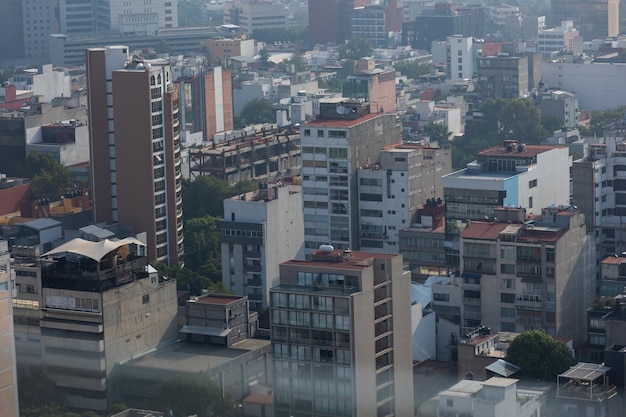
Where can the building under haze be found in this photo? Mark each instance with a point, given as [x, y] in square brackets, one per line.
[135, 148]
[8, 382]
[593, 18]
[341, 336]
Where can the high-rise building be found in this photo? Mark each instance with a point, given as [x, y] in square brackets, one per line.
[329, 20]
[344, 137]
[593, 18]
[8, 382]
[251, 15]
[528, 272]
[135, 148]
[502, 76]
[341, 335]
[260, 230]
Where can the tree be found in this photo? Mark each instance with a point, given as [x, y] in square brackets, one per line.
[257, 111]
[412, 69]
[520, 119]
[296, 60]
[355, 48]
[205, 196]
[188, 394]
[437, 132]
[264, 58]
[539, 355]
[49, 179]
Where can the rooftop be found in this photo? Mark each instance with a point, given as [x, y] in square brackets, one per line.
[345, 123]
[217, 299]
[513, 149]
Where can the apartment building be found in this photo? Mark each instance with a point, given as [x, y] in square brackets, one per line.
[391, 191]
[561, 39]
[528, 273]
[502, 76]
[369, 22]
[250, 15]
[135, 148]
[344, 137]
[260, 230]
[341, 336]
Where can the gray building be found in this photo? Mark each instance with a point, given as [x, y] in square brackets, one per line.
[502, 76]
[260, 230]
[85, 308]
[560, 104]
[343, 138]
[341, 337]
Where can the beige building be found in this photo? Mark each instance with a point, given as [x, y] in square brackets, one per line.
[221, 49]
[341, 336]
[84, 308]
[135, 148]
[8, 378]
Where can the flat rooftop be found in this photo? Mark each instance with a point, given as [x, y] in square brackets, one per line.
[341, 122]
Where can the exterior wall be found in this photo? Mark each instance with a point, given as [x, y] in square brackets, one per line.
[495, 73]
[460, 58]
[9, 405]
[590, 82]
[219, 314]
[11, 197]
[66, 154]
[247, 270]
[39, 19]
[593, 18]
[249, 91]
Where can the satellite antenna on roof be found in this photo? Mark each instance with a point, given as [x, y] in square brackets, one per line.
[341, 110]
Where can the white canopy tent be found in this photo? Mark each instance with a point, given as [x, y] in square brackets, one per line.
[93, 250]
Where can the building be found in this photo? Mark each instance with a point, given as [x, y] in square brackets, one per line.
[265, 155]
[502, 76]
[9, 405]
[85, 307]
[221, 49]
[506, 175]
[374, 85]
[527, 273]
[403, 178]
[497, 397]
[369, 22]
[593, 18]
[446, 19]
[67, 141]
[217, 319]
[584, 389]
[329, 20]
[250, 15]
[561, 39]
[135, 148]
[341, 335]
[502, 14]
[560, 104]
[459, 58]
[47, 83]
[207, 101]
[260, 230]
[344, 137]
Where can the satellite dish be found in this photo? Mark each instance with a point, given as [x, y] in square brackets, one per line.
[341, 110]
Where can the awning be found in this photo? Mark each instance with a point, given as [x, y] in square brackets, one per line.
[93, 250]
[503, 368]
[207, 331]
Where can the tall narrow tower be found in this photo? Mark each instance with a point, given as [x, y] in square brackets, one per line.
[135, 148]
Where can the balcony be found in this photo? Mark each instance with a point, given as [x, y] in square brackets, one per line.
[253, 254]
[255, 297]
[255, 282]
[472, 301]
[529, 305]
[472, 315]
[254, 268]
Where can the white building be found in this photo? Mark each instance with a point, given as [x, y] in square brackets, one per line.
[260, 230]
[250, 90]
[141, 17]
[392, 189]
[501, 14]
[564, 38]
[457, 53]
[597, 85]
[250, 15]
[49, 84]
[561, 104]
[495, 397]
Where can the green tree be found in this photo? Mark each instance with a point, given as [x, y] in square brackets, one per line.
[601, 118]
[188, 394]
[257, 111]
[355, 48]
[202, 245]
[539, 355]
[437, 132]
[520, 119]
[264, 58]
[205, 196]
[49, 179]
[296, 60]
[551, 123]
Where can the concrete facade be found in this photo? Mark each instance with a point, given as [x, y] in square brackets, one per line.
[341, 346]
[502, 76]
[260, 230]
[334, 146]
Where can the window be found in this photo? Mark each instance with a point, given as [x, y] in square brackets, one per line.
[307, 132]
[441, 297]
[145, 299]
[320, 133]
[371, 197]
[532, 184]
[507, 298]
[530, 202]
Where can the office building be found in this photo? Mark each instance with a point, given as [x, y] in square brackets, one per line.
[369, 22]
[329, 20]
[260, 230]
[341, 336]
[593, 18]
[561, 39]
[83, 309]
[9, 405]
[403, 178]
[344, 137]
[251, 15]
[528, 273]
[135, 148]
[502, 76]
